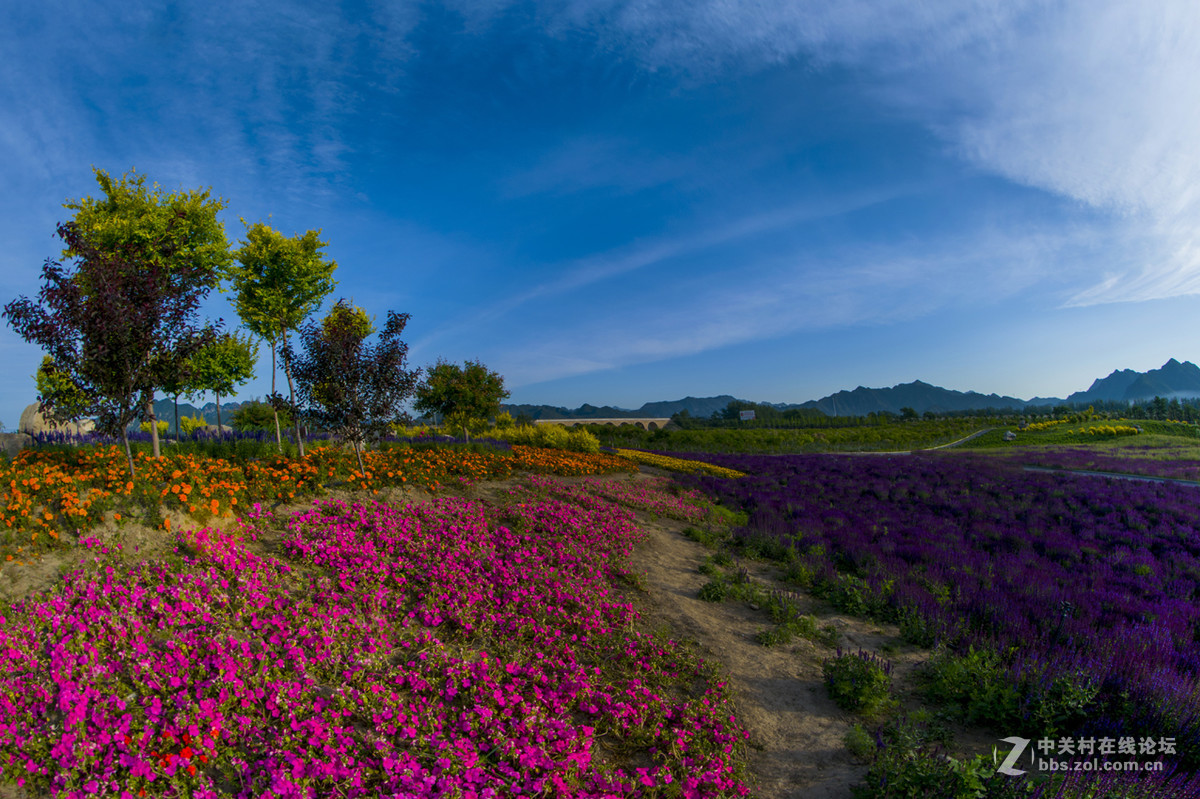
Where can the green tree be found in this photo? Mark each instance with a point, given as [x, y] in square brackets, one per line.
[153, 228]
[221, 367]
[460, 393]
[58, 391]
[348, 386]
[279, 282]
[115, 328]
[255, 415]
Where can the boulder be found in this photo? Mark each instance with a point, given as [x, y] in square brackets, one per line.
[12, 443]
[34, 422]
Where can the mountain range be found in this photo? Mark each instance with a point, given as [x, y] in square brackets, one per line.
[1172, 380]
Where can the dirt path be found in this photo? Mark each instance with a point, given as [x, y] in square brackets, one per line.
[796, 730]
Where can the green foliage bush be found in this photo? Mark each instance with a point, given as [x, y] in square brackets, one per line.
[917, 773]
[860, 742]
[978, 687]
[714, 590]
[859, 682]
[975, 684]
[553, 436]
[258, 416]
[190, 424]
[162, 428]
[790, 623]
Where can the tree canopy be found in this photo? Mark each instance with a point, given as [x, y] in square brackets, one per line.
[348, 386]
[460, 393]
[116, 327]
[279, 282]
[221, 367]
[62, 397]
[153, 226]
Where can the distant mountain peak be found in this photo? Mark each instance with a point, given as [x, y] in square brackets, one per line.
[1172, 379]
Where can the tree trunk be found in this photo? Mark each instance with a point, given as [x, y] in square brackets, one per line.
[128, 454]
[153, 426]
[358, 454]
[176, 420]
[287, 370]
[220, 431]
[278, 432]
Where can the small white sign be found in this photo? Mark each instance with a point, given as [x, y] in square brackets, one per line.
[746, 416]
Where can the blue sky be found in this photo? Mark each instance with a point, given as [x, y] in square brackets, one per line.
[618, 202]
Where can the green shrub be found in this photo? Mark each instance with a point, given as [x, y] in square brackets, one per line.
[190, 424]
[258, 416]
[859, 682]
[163, 427]
[714, 590]
[860, 742]
[976, 685]
[553, 436]
[900, 773]
[709, 538]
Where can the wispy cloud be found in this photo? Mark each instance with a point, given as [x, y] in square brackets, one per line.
[645, 254]
[772, 298]
[1094, 101]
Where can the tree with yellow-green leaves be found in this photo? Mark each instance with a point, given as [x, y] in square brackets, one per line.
[221, 367]
[279, 282]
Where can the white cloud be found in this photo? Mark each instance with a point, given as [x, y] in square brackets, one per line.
[1094, 100]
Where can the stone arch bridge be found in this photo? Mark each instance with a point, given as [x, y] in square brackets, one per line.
[645, 424]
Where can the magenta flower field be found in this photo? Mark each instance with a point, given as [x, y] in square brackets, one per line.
[451, 648]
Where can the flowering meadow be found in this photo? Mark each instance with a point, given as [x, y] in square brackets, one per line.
[677, 464]
[48, 498]
[1059, 604]
[447, 648]
[657, 496]
[1124, 461]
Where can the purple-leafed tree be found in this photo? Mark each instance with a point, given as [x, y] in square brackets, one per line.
[117, 326]
[347, 386]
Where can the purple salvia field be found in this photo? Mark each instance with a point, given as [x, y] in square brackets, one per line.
[1082, 584]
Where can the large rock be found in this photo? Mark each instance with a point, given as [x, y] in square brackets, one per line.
[33, 422]
[12, 443]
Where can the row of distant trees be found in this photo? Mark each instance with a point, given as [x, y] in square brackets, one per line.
[1187, 410]
[120, 322]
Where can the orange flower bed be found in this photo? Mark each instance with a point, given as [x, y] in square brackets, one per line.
[45, 495]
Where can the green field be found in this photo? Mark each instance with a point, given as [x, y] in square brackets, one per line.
[1158, 440]
[891, 436]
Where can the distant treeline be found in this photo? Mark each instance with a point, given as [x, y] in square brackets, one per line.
[770, 417]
